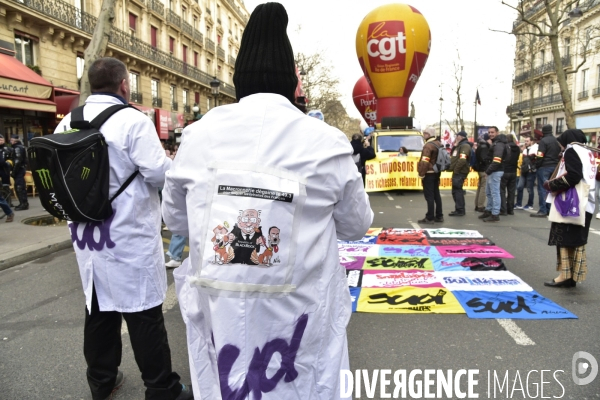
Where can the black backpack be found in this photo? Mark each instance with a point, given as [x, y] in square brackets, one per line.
[71, 169]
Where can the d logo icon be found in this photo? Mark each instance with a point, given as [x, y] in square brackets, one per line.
[580, 368]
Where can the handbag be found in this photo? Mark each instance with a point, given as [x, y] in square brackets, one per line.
[565, 202]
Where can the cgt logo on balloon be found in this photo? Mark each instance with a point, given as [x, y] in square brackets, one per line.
[386, 46]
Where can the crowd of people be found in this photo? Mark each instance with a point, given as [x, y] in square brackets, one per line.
[13, 164]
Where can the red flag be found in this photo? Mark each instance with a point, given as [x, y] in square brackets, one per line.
[477, 99]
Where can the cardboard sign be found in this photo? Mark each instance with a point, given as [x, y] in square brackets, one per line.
[452, 233]
[404, 237]
[408, 300]
[408, 251]
[377, 279]
[460, 241]
[473, 251]
[467, 264]
[398, 263]
[483, 280]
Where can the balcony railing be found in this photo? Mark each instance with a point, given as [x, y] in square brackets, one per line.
[187, 29]
[547, 100]
[596, 91]
[237, 10]
[231, 60]
[582, 95]
[221, 53]
[173, 18]
[174, 106]
[198, 38]
[142, 2]
[85, 22]
[542, 69]
[187, 109]
[136, 97]
[156, 6]
[209, 45]
[156, 102]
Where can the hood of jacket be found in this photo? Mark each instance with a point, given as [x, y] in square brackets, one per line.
[500, 138]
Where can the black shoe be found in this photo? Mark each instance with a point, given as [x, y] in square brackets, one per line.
[485, 214]
[118, 383]
[186, 393]
[492, 218]
[482, 209]
[503, 213]
[510, 212]
[426, 221]
[456, 214]
[567, 283]
[22, 207]
[538, 215]
[439, 219]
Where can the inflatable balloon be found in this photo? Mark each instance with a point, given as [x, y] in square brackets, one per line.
[392, 45]
[365, 101]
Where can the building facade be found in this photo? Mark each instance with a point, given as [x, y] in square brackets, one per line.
[172, 48]
[537, 100]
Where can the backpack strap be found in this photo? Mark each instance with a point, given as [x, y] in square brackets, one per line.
[78, 122]
[124, 186]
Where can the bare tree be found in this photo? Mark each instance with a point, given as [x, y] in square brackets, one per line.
[458, 70]
[97, 46]
[556, 19]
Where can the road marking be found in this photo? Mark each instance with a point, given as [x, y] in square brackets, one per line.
[415, 225]
[390, 198]
[515, 332]
[398, 207]
[595, 231]
[170, 301]
[471, 191]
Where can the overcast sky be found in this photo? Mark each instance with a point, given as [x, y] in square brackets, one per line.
[458, 27]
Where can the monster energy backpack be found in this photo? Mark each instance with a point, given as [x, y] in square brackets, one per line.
[71, 169]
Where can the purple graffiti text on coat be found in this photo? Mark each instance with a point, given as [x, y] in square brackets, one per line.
[256, 381]
[87, 238]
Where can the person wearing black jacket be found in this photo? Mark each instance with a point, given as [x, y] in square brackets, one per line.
[508, 183]
[459, 165]
[18, 172]
[495, 170]
[547, 159]
[362, 152]
[481, 153]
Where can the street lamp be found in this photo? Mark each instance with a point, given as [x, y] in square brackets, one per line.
[441, 99]
[575, 13]
[214, 87]
[196, 111]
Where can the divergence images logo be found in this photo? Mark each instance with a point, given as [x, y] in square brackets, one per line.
[582, 367]
[44, 176]
[386, 45]
[85, 173]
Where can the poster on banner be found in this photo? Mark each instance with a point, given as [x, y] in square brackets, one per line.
[358, 249]
[354, 277]
[398, 263]
[483, 281]
[460, 241]
[452, 233]
[407, 237]
[408, 251]
[352, 262]
[354, 295]
[373, 231]
[408, 299]
[378, 279]
[467, 264]
[513, 305]
[364, 240]
[389, 172]
[473, 251]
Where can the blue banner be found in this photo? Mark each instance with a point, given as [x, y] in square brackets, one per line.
[354, 294]
[515, 305]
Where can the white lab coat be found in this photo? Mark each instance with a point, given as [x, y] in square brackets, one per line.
[295, 308]
[129, 276]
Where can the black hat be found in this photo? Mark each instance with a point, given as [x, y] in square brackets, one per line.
[547, 129]
[14, 137]
[265, 62]
[462, 133]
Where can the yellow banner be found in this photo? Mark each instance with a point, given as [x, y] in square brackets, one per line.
[408, 299]
[26, 89]
[401, 173]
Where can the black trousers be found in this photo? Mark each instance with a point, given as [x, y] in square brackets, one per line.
[431, 190]
[20, 186]
[458, 195]
[508, 188]
[102, 349]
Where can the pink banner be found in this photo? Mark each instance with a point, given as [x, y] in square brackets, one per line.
[400, 278]
[473, 251]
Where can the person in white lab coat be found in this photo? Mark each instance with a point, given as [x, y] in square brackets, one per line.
[263, 192]
[121, 260]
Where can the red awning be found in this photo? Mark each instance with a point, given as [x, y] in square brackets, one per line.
[59, 91]
[27, 103]
[64, 104]
[12, 68]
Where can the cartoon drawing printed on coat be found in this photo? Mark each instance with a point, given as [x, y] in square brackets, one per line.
[223, 252]
[266, 257]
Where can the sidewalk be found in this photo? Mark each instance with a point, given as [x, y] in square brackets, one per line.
[20, 243]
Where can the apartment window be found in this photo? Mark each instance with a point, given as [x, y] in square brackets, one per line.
[551, 88]
[132, 21]
[195, 22]
[197, 98]
[520, 95]
[219, 40]
[544, 121]
[155, 88]
[173, 97]
[567, 47]
[153, 36]
[559, 125]
[184, 49]
[208, 65]
[584, 78]
[196, 59]
[219, 13]
[542, 57]
[184, 13]
[598, 76]
[171, 44]
[540, 90]
[79, 63]
[134, 81]
[171, 5]
[24, 49]
[185, 97]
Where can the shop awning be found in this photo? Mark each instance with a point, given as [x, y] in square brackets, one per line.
[18, 80]
[27, 103]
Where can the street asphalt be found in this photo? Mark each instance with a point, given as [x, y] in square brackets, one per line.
[42, 313]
